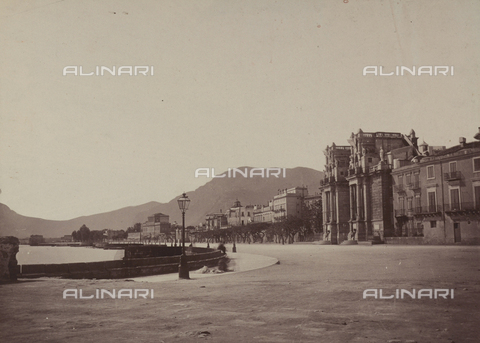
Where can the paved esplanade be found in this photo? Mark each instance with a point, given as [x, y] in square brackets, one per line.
[313, 295]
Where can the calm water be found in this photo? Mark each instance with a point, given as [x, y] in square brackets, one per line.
[47, 255]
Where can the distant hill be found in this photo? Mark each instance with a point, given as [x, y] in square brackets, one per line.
[13, 224]
[219, 193]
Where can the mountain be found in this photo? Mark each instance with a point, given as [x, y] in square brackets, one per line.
[219, 193]
[13, 224]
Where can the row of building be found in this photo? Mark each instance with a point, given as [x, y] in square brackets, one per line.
[384, 185]
[288, 202]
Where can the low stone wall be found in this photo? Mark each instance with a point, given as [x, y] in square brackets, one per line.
[121, 268]
[405, 240]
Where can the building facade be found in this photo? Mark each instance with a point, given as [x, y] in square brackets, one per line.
[357, 186]
[263, 213]
[437, 195]
[157, 225]
[216, 221]
[239, 215]
[288, 202]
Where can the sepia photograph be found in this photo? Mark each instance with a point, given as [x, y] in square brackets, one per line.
[240, 171]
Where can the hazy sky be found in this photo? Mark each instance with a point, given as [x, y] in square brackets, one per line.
[257, 83]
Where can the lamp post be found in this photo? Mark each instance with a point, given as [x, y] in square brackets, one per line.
[183, 273]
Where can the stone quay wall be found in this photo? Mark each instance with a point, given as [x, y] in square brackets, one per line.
[120, 269]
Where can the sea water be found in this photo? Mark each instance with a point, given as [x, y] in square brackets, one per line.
[51, 255]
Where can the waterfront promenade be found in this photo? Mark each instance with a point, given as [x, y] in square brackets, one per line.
[314, 294]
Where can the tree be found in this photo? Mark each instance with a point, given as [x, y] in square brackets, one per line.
[36, 240]
[84, 234]
[313, 216]
[135, 228]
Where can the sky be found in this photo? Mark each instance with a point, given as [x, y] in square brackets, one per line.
[235, 83]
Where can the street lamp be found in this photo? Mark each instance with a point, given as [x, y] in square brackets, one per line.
[183, 203]
[234, 249]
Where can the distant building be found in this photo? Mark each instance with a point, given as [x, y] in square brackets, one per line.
[67, 238]
[263, 213]
[216, 221]
[156, 225]
[134, 236]
[239, 215]
[288, 202]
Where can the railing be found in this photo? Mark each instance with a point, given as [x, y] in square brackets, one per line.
[355, 171]
[367, 135]
[417, 210]
[400, 213]
[462, 206]
[399, 188]
[451, 176]
[428, 209]
[327, 180]
[413, 185]
[388, 135]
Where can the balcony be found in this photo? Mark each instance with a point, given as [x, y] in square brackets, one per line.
[401, 213]
[413, 185]
[462, 208]
[355, 171]
[399, 188]
[427, 210]
[417, 210]
[452, 176]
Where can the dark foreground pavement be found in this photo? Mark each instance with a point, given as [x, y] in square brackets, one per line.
[313, 295]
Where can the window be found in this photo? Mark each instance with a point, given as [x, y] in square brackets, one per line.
[455, 198]
[400, 179]
[432, 203]
[476, 164]
[433, 224]
[416, 177]
[408, 178]
[410, 203]
[430, 172]
[369, 160]
[453, 167]
[418, 203]
[476, 190]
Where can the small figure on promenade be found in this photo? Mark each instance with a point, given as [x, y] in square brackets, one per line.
[222, 248]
